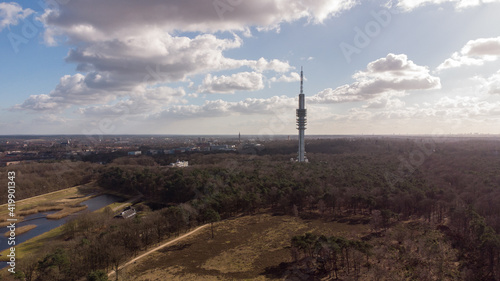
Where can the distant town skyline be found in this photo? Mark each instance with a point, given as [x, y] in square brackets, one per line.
[196, 67]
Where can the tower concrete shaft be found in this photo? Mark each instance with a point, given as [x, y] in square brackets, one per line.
[301, 120]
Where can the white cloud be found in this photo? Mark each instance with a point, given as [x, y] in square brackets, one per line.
[95, 20]
[344, 93]
[91, 89]
[119, 66]
[272, 65]
[475, 52]
[384, 103]
[11, 13]
[465, 107]
[145, 101]
[52, 119]
[446, 108]
[264, 106]
[494, 84]
[490, 85]
[292, 77]
[219, 108]
[392, 75]
[157, 57]
[120, 51]
[38, 103]
[71, 90]
[243, 81]
[408, 5]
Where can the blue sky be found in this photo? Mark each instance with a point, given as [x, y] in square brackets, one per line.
[229, 66]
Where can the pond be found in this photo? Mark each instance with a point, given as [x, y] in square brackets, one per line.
[43, 224]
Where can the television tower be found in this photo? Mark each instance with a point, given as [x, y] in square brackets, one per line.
[301, 120]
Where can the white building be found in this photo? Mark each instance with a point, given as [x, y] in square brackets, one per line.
[179, 164]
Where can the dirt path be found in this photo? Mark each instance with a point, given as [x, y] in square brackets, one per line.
[158, 248]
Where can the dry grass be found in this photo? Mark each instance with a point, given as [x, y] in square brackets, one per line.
[4, 221]
[64, 201]
[71, 196]
[50, 208]
[66, 212]
[40, 209]
[21, 230]
[34, 244]
[27, 212]
[246, 248]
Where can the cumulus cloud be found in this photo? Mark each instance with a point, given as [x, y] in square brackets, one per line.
[145, 101]
[490, 85]
[11, 13]
[95, 19]
[50, 119]
[394, 75]
[475, 52]
[446, 108]
[384, 102]
[116, 67]
[243, 81]
[124, 58]
[272, 65]
[292, 77]
[156, 57]
[83, 91]
[219, 108]
[75, 89]
[38, 103]
[464, 107]
[408, 5]
[119, 51]
[494, 84]
[344, 93]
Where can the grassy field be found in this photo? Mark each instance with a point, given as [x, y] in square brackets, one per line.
[29, 203]
[34, 244]
[66, 212]
[246, 248]
[53, 201]
[21, 230]
[65, 201]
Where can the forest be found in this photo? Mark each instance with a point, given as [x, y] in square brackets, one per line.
[40, 178]
[446, 188]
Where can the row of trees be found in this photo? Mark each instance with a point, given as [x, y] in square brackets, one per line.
[34, 179]
[321, 255]
[99, 242]
[351, 179]
[408, 251]
[451, 186]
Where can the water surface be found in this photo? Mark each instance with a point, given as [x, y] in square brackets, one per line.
[43, 224]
